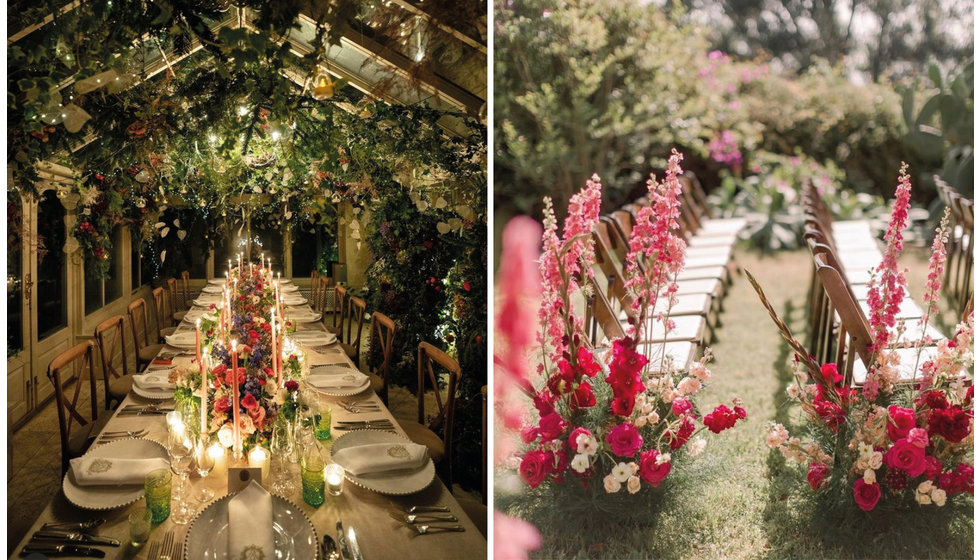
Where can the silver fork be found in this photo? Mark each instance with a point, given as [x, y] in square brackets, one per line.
[359, 408]
[121, 435]
[168, 541]
[428, 529]
[154, 551]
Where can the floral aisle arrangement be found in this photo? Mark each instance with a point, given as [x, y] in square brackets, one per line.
[900, 439]
[614, 421]
[253, 368]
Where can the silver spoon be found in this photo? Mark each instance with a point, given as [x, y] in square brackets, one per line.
[330, 551]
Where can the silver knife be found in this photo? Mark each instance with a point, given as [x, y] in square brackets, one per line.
[81, 538]
[352, 542]
[63, 550]
[342, 541]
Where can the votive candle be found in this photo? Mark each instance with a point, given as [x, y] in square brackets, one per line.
[333, 474]
[259, 457]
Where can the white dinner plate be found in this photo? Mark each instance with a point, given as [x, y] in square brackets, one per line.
[289, 288]
[207, 300]
[112, 497]
[294, 299]
[155, 394]
[395, 482]
[312, 338]
[184, 339]
[207, 536]
[335, 392]
[213, 288]
[308, 317]
[216, 282]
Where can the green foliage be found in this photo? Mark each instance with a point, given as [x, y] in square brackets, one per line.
[939, 136]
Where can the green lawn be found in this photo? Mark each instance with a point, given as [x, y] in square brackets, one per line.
[735, 500]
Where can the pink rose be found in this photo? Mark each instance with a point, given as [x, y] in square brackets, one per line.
[866, 495]
[535, 467]
[906, 457]
[900, 421]
[918, 437]
[680, 406]
[551, 426]
[573, 437]
[650, 471]
[624, 440]
[817, 474]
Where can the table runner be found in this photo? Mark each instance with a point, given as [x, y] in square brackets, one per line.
[379, 536]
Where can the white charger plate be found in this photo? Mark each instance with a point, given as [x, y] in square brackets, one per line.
[216, 282]
[213, 288]
[289, 288]
[103, 498]
[332, 392]
[154, 394]
[181, 340]
[395, 483]
[207, 536]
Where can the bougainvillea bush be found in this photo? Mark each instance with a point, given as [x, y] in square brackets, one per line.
[612, 422]
[898, 441]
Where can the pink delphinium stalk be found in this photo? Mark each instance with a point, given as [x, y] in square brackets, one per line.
[937, 265]
[656, 252]
[886, 289]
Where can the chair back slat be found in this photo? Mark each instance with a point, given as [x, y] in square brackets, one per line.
[852, 318]
[356, 308]
[137, 318]
[382, 340]
[75, 362]
[339, 310]
[110, 335]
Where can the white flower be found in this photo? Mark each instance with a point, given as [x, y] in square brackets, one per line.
[587, 444]
[793, 391]
[663, 458]
[580, 463]
[226, 435]
[634, 468]
[640, 421]
[653, 417]
[874, 460]
[697, 446]
[938, 496]
[869, 477]
[689, 386]
[611, 484]
[621, 472]
[633, 484]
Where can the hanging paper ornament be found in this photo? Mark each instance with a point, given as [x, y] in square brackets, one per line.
[322, 87]
[92, 83]
[143, 176]
[74, 117]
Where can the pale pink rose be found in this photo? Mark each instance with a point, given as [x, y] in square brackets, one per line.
[634, 468]
[640, 421]
[918, 437]
[696, 446]
[699, 371]
[938, 496]
[778, 434]
[869, 477]
[611, 484]
[689, 386]
[633, 485]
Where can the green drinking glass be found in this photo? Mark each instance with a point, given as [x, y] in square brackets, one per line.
[322, 428]
[312, 475]
[157, 487]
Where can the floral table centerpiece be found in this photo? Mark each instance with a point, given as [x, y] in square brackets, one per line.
[249, 362]
[612, 422]
[890, 444]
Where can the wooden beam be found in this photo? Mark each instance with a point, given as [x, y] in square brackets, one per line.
[47, 19]
[412, 8]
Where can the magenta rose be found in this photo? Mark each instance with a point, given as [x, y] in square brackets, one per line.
[551, 426]
[624, 440]
[816, 474]
[900, 421]
[907, 457]
[650, 471]
[677, 439]
[866, 495]
[573, 437]
[535, 467]
[933, 468]
[681, 406]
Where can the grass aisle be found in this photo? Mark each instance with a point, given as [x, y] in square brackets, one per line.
[722, 503]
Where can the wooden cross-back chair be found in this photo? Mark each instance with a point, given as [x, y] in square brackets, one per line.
[164, 315]
[111, 336]
[75, 427]
[326, 282]
[356, 308]
[145, 350]
[315, 287]
[177, 315]
[339, 314]
[382, 341]
[185, 290]
[427, 430]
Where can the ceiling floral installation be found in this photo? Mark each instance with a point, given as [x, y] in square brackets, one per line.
[237, 128]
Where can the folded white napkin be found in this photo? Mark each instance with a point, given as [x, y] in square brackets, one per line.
[298, 300]
[153, 380]
[213, 289]
[181, 339]
[377, 458]
[250, 532]
[300, 317]
[314, 338]
[217, 281]
[289, 288]
[113, 471]
[336, 377]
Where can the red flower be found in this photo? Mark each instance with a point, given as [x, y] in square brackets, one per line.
[958, 480]
[249, 402]
[253, 334]
[624, 440]
[551, 426]
[933, 469]
[291, 385]
[559, 465]
[222, 405]
[830, 374]
[866, 495]
[583, 397]
[932, 399]
[681, 406]
[720, 419]
[586, 362]
[650, 471]
[230, 377]
[267, 327]
[535, 467]
[678, 439]
[466, 286]
[951, 423]
[906, 457]
[900, 421]
[817, 474]
[573, 437]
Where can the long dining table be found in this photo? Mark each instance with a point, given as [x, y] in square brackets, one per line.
[379, 535]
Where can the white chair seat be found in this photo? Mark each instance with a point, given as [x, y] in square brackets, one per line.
[906, 368]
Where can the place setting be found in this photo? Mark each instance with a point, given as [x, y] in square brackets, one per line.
[337, 380]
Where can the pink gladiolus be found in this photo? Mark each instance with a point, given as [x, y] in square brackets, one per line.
[886, 289]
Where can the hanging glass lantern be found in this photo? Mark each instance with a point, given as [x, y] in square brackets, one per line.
[322, 87]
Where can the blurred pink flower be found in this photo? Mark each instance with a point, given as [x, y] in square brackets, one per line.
[513, 539]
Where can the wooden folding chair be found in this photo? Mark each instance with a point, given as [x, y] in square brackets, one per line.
[177, 315]
[356, 308]
[339, 314]
[110, 335]
[145, 352]
[382, 340]
[426, 430]
[76, 430]
[164, 316]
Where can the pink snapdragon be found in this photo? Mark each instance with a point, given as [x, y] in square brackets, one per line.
[654, 238]
[937, 265]
[886, 288]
